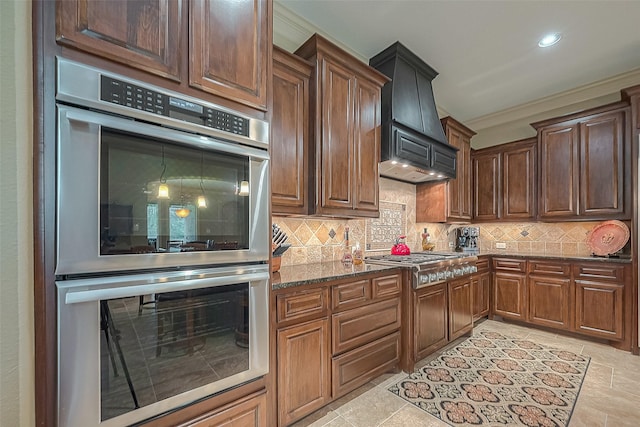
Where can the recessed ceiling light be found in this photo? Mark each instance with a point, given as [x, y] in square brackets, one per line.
[549, 40]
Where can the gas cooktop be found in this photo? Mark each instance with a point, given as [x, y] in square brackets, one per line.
[431, 268]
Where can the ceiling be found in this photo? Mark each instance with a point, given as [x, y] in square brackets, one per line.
[486, 52]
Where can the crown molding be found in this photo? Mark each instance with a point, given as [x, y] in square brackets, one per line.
[577, 95]
[290, 31]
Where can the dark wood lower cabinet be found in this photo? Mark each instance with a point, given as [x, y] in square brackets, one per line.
[509, 295]
[600, 309]
[249, 412]
[460, 308]
[333, 337]
[430, 320]
[354, 368]
[303, 369]
[549, 301]
[480, 286]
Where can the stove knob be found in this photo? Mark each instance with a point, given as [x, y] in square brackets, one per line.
[441, 275]
[457, 272]
[433, 277]
[474, 269]
[424, 279]
[448, 274]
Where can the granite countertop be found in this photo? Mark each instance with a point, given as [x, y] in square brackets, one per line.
[305, 274]
[551, 255]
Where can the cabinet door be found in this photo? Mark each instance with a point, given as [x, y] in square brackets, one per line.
[460, 187]
[249, 413]
[558, 172]
[290, 134]
[509, 295]
[550, 301]
[367, 146]
[480, 284]
[229, 45]
[335, 151]
[519, 182]
[599, 309]
[460, 308]
[486, 186]
[144, 34]
[603, 165]
[430, 314]
[304, 377]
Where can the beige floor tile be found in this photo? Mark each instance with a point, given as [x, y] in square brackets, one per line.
[337, 422]
[599, 374]
[409, 415]
[615, 403]
[372, 408]
[627, 380]
[614, 421]
[585, 416]
[319, 418]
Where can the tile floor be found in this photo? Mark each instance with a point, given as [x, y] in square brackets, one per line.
[610, 395]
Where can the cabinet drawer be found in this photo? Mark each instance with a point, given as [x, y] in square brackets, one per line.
[350, 294]
[482, 264]
[302, 305]
[600, 271]
[359, 326]
[549, 268]
[249, 413]
[355, 368]
[386, 286]
[505, 264]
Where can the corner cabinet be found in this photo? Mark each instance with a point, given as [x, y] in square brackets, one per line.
[505, 180]
[449, 201]
[585, 165]
[290, 137]
[229, 41]
[346, 130]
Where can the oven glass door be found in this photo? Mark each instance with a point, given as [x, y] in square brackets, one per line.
[133, 195]
[128, 354]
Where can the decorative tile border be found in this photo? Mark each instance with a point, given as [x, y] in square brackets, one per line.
[381, 233]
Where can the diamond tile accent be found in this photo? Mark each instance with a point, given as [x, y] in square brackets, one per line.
[332, 233]
[524, 233]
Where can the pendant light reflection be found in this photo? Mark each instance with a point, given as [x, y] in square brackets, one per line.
[182, 211]
[244, 188]
[202, 201]
[163, 188]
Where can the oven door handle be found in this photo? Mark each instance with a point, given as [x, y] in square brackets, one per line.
[90, 295]
[136, 127]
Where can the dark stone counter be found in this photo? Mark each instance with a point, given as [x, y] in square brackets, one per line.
[305, 274]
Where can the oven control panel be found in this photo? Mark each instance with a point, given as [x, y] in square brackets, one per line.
[154, 102]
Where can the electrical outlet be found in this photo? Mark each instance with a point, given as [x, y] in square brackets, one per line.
[450, 244]
[501, 245]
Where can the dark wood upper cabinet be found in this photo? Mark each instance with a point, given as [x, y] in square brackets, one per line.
[142, 34]
[449, 201]
[229, 42]
[602, 164]
[585, 165]
[223, 48]
[486, 185]
[290, 138]
[504, 181]
[345, 99]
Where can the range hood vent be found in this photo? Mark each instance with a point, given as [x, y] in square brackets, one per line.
[414, 146]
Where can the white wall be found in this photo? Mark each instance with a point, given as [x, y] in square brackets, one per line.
[16, 233]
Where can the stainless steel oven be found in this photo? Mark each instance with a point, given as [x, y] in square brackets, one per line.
[152, 179]
[199, 332]
[163, 238]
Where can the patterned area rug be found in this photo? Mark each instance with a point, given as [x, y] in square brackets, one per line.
[494, 380]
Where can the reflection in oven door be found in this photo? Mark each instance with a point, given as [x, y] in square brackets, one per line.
[161, 341]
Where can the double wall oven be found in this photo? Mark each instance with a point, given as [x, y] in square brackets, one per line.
[162, 241]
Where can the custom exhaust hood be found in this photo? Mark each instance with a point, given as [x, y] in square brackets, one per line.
[414, 146]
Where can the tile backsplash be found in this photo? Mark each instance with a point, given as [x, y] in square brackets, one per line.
[318, 239]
